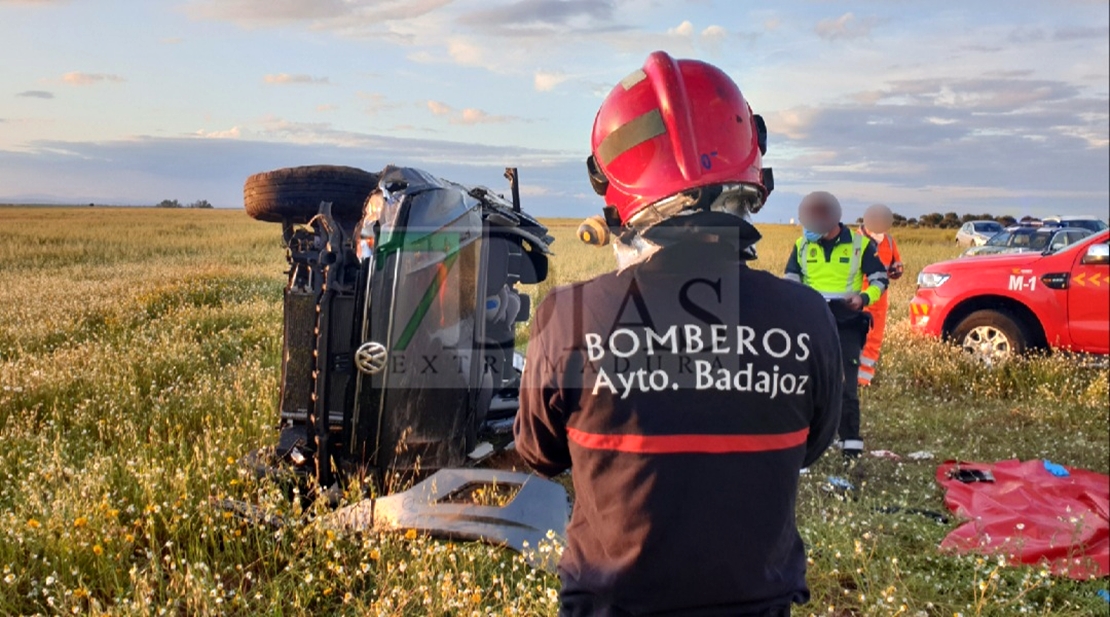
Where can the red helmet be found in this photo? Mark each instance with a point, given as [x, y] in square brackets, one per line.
[673, 126]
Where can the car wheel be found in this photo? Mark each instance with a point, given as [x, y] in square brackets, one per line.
[294, 194]
[991, 336]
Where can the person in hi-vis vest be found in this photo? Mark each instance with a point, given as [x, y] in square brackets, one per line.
[877, 221]
[842, 265]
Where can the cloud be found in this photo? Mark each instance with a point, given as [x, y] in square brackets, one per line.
[232, 133]
[845, 27]
[471, 115]
[683, 29]
[440, 109]
[464, 52]
[376, 103]
[342, 15]
[713, 37]
[300, 78]
[1081, 32]
[468, 116]
[545, 81]
[545, 13]
[77, 78]
[36, 94]
[145, 169]
[979, 144]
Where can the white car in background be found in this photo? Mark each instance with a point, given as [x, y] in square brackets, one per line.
[976, 233]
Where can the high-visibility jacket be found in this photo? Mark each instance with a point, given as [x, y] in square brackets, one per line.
[846, 264]
[887, 250]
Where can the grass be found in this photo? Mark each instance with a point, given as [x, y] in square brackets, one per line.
[139, 354]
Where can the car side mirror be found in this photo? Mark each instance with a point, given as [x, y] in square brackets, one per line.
[1097, 254]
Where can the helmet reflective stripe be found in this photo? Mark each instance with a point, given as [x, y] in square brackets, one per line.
[633, 78]
[628, 136]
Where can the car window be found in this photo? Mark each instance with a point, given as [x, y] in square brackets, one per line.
[1088, 224]
[1038, 242]
[1001, 239]
[988, 227]
[1020, 240]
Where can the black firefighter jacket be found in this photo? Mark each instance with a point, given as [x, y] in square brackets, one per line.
[687, 392]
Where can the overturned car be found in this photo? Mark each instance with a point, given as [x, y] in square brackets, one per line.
[400, 313]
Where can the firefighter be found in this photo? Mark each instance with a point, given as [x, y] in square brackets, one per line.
[683, 390]
[841, 264]
[877, 221]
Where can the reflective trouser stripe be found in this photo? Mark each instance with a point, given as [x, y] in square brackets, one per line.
[853, 444]
[865, 375]
[868, 362]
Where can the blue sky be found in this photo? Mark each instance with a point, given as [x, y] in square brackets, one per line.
[998, 106]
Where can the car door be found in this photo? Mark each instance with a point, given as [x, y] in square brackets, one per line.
[1089, 297]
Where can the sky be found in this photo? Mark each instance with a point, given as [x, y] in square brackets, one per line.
[988, 106]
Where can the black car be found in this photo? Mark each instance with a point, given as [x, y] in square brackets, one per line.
[400, 316]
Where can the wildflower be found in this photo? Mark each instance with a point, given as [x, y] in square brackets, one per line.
[410, 534]
[98, 550]
[33, 524]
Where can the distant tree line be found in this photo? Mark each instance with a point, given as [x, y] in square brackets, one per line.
[173, 203]
[951, 220]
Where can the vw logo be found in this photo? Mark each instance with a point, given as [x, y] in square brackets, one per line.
[370, 358]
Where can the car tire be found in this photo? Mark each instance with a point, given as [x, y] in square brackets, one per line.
[991, 335]
[294, 194]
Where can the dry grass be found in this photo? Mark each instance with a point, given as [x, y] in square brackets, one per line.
[139, 358]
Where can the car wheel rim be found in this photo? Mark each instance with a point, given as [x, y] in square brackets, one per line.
[988, 344]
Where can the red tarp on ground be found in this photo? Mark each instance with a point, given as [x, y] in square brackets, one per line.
[1030, 516]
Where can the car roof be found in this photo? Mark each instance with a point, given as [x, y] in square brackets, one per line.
[1072, 217]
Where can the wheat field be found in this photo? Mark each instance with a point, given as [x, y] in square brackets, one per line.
[139, 359]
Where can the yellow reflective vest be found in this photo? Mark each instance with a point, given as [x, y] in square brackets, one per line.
[842, 272]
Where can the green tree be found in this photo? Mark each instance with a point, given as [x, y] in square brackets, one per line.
[930, 220]
[169, 203]
[201, 204]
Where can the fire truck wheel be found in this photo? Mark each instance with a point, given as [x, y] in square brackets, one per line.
[991, 335]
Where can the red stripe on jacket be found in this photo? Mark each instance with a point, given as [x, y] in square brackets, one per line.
[688, 444]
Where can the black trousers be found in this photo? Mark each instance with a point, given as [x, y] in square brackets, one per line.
[853, 335]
